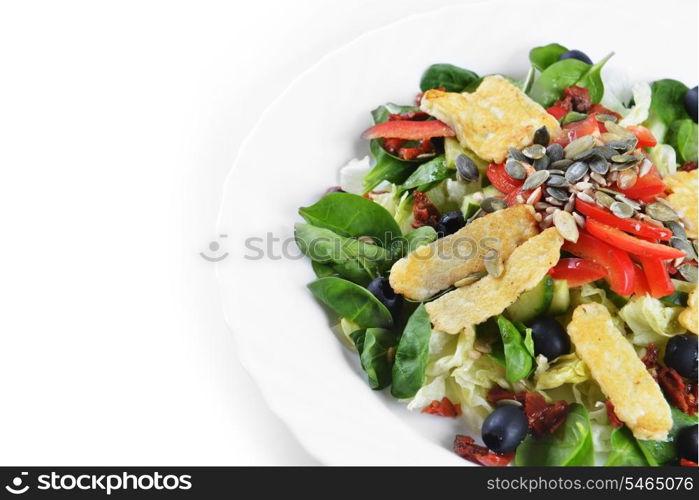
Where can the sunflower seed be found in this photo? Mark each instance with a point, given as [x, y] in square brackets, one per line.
[493, 263]
[557, 194]
[661, 212]
[553, 201]
[551, 210]
[579, 219]
[685, 246]
[602, 117]
[515, 169]
[490, 205]
[542, 163]
[676, 229]
[603, 199]
[541, 205]
[583, 186]
[537, 217]
[626, 179]
[535, 151]
[598, 164]
[633, 204]
[535, 180]
[585, 197]
[466, 168]
[554, 152]
[542, 136]
[645, 167]
[688, 272]
[576, 171]
[566, 225]
[578, 146]
[649, 220]
[520, 198]
[470, 279]
[556, 181]
[621, 210]
[599, 179]
[570, 204]
[536, 194]
[517, 155]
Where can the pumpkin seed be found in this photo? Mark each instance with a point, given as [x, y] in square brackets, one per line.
[645, 167]
[576, 171]
[558, 193]
[661, 212]
[602, 117]
[688, 272]
[622, 145]
[561, 164]
[603, 199]
[556, 181]
[490, 205]
[626, 179]
[608, 137]
[625, 158]
[584, 154]
[517, 155]
[605, 152]
[493, 263]
[622, 132]
[542, 136]
[555, 171]
[515, 169]
[621, 210]
[685, 246]
[542, 163]
[633, 204]
[598, 164]
[535, 180]
[466, 168]
[566, 225]
[554, 152]
[676, 229]
[535, 151]
[610, 191]
[470, 279]
[578, 146]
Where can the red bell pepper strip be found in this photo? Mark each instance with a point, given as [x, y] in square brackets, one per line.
[499, 178]
[657, 277]
[629, 225]
[557, 112]
[645, 137]
[620, 272]
[641, 282]
[581, 128]
[629, 243]
[577, 272]
[409, 130]
[646, 187]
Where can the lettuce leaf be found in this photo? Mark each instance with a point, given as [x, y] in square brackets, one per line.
[567, 369]
[664, 158]
[638, 113]
[650, 320]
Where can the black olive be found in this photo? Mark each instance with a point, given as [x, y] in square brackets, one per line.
[576, 54]
[550, 338]
[690, 103]
[505, 428]
[449, 223]
[334, 189]
[686, 443]
[681, 354]
[381, 289]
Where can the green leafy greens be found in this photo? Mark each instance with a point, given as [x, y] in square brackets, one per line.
[352, 302]
[450, 77]
[518, 360]
[412, 355]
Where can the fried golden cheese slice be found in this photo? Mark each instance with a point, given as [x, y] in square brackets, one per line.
[523, 270]
[690, 316]
[435, 267]
[684, 198]
[488, 121]
[622, 376]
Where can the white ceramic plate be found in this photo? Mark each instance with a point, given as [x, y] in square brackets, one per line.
[293, 155]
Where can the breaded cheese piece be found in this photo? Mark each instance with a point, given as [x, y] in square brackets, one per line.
[432, 268]
[493, 118]
[624, 379]
[690, 316]
[523, 270]
[684, 198]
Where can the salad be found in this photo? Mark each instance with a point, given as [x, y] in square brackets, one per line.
[522, 254]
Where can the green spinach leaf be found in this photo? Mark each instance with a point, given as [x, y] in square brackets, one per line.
[570, 445]
[667, 101]
[427, 174]
[351, 301]
[452, 78]
[378, 349]
[682, 135]
[625, 449]
[323, 270]
[553, 80]
[544, 56]
[518, 361]
[353, 215]
[663, 452]
[423, 235]
[412, 355]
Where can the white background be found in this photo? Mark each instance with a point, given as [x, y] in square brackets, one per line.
[118, 124]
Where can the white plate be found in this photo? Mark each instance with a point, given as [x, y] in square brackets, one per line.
[293, 155]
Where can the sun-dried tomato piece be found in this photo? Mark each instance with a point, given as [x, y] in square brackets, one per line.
[687, 463]
[443, 408]
[543, 418]
[424, 212]
[688, 166]
[681, 395]
[465, 447]
[575, 99]
[650, 358]
[611, 415]
[413, 116]
[424, 147]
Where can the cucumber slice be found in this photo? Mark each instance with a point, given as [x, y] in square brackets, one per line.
[561, 298]
[533, 303]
